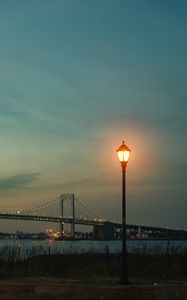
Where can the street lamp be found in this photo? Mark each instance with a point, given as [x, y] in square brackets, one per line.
[123, 155]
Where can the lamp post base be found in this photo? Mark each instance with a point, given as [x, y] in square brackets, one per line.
[124, 281]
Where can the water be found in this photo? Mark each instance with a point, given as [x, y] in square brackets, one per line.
[27, 248]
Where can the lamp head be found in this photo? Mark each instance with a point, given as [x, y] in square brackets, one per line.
[123, 153]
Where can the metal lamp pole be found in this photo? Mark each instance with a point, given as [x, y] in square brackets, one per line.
[124, 266]
[123, 155]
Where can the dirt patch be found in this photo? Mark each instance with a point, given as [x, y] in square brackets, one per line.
[49, 290]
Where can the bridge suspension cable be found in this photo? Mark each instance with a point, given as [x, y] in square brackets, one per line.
[81, 210]
[89, 212]
[46, 205]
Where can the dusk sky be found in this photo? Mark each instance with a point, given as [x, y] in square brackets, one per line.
[76, 78]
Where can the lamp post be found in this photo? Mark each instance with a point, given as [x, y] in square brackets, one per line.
[123, 155]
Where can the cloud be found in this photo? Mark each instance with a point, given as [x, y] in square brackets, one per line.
[17, 181]
[14, 114]
[90, 181]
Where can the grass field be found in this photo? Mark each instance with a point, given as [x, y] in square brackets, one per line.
[141, 267]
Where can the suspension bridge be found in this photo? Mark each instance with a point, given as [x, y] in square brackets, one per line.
[75, 212]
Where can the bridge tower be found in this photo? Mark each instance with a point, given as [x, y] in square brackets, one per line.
[71, 199]
[73, 217]
[62, 214]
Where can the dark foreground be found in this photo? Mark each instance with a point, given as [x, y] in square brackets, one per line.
[50, 290]
[142, 268]
[94, 277]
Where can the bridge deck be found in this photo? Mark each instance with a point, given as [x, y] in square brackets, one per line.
[35, 218]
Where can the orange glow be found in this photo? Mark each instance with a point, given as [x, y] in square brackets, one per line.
[123, 153]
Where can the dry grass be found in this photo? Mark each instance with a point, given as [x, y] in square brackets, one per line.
[92, 265]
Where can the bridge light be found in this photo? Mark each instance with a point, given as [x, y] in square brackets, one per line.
[123, 153]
